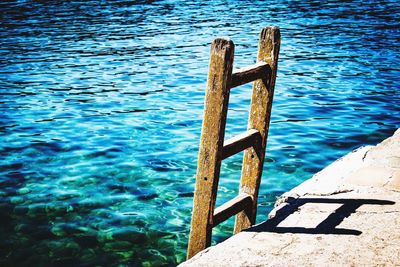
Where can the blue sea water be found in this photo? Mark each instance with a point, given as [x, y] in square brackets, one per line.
[101, 106]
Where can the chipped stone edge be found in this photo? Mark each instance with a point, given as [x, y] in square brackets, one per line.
[337, 171]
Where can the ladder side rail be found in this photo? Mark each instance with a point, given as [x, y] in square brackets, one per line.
[211, 144]
[259, 118]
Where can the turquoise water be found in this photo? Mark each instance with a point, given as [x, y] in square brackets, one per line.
[101, 105]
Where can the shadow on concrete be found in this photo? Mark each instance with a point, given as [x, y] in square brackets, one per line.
[327, 226]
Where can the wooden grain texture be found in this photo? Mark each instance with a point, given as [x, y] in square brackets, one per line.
[232, 207]
[240, 142]
[211, 143]
[259, 117]
[249, 74]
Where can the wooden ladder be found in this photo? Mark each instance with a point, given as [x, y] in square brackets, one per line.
[213, 149]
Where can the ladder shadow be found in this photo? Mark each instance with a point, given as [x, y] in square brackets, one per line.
[327, 226]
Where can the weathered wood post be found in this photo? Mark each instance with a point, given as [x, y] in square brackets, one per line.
[259, 118]
[213, 149]
[211, 143]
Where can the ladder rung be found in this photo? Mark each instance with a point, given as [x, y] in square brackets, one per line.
[249, 74]
[232, 207]
[240, 142]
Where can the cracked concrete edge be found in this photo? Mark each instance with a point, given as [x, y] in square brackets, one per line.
[333, 179]
[386, 153]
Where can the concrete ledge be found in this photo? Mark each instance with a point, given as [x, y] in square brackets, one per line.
[346, 215]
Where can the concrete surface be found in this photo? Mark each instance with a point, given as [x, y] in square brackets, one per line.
[346, 215]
